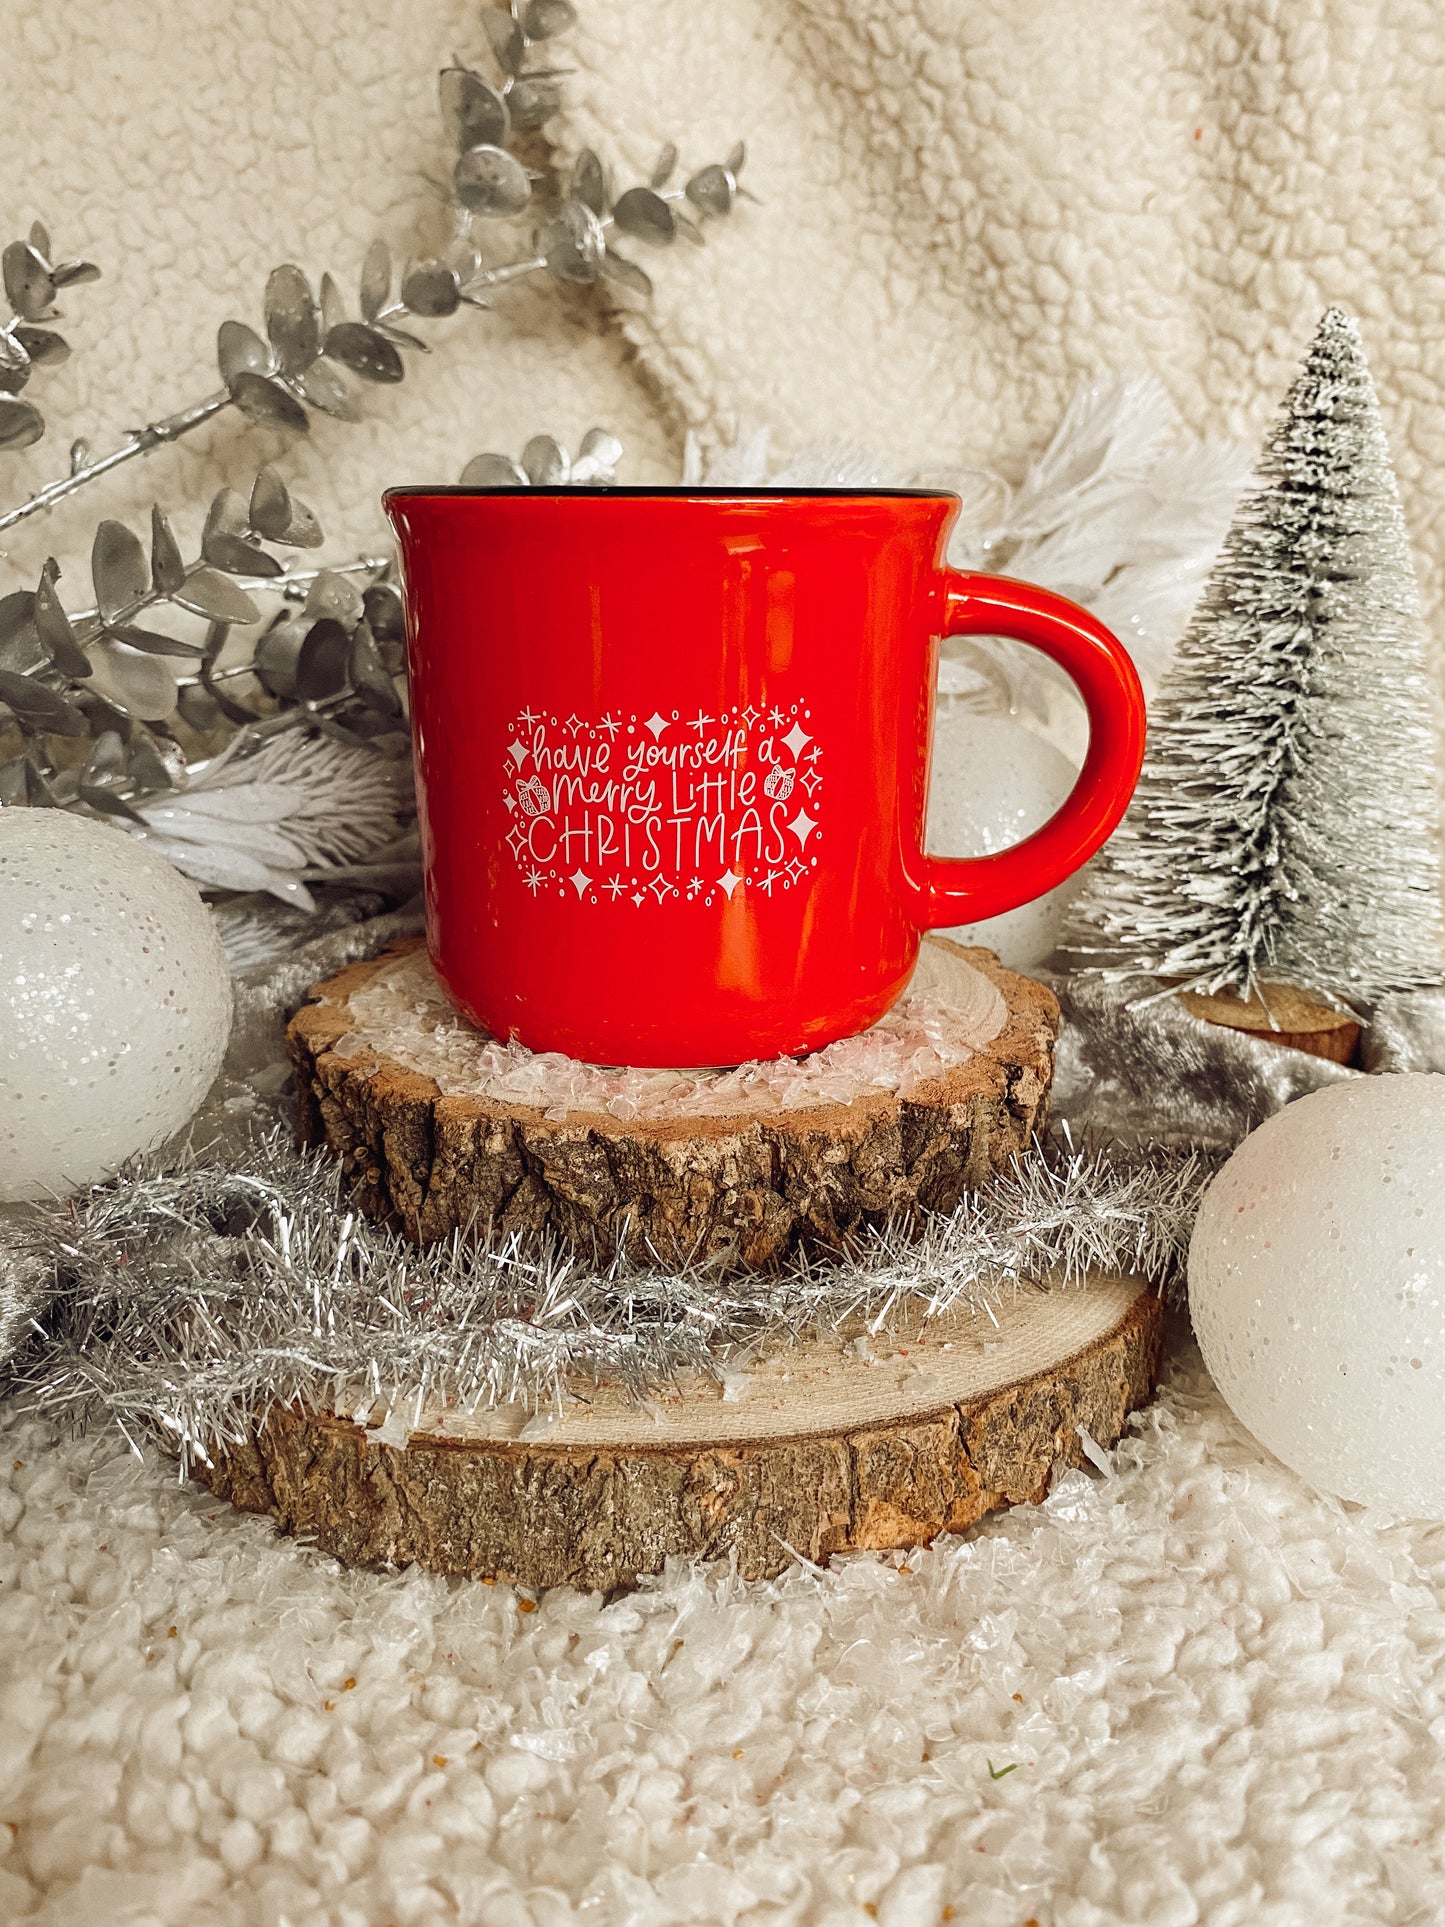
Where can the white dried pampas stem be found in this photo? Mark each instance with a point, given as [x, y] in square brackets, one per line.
[280, 818]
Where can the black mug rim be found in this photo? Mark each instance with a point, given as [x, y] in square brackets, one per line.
[677, 492]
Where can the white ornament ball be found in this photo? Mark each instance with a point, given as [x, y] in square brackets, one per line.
[115, 1002]
[994, 783]
[1317, 1289]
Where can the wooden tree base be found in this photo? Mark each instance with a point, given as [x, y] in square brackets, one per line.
[1282, 1014]
[825, 1451]
[749, 1183]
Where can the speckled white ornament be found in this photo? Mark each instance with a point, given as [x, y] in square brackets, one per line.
[1317, 1289]
[115, 1003]
[995, 782]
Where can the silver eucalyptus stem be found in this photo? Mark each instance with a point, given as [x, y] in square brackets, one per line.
[140, 441]
[313, 349]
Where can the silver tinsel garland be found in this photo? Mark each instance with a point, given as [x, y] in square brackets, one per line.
[189, 1298]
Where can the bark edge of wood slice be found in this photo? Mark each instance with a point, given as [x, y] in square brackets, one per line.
[874, 1461]
[1294, 1019]
[671, 1190]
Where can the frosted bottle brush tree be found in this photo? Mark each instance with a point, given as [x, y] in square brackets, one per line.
[1284, 828]
[163, 642]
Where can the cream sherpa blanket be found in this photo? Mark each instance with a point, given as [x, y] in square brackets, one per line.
[965, 205]
[1185, 1693]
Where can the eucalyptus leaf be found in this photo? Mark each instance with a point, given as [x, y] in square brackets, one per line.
[365, 351]
[146, 767]
[493, 471]
[270, 508]
[105, 766]
[430, 288]
[665, 166]
[118, 569]
[375, 281]
[616, 267]
[240, 351]
[506, 39]
[20, 423]
[109, 805]
[14, 364]
[598, 457]
[236, 556]
[545, 462]
[40, 708]
[603, 445]
[198, 707]
[28, 284]
[323, 664]
[491, 182]
[100, 711]
[336, 595]
[367, 673]
[226, 541]
[21, 648]
[229, 511]
[689, 228]
[383, 607]
[70, 274]
[589, 183]
[303, 531]
[402, 339]
[209, 593]
[268, 404]
[40, 238]
[473, 112]
[333, 308]
[533, 100]
[151, 642]
[545, 19]
[168, 571]
[53, 625]
[293, 320]
[573, 243]
[277, 654]
[44, 347]
[712, 189]
[734, 161]
[324, 389]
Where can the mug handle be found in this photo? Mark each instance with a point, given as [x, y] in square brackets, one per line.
[966, 889]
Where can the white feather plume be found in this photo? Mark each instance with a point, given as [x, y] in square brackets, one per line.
[275, 820]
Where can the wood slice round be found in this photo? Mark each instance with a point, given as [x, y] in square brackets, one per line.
[817, 1450]
[747, 1183]
[1282, 1014]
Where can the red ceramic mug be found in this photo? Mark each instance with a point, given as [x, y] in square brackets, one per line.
[672, 753]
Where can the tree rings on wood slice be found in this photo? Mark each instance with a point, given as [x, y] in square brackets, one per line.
[1282, 1014]
[441, 1128]
[826, 1447]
